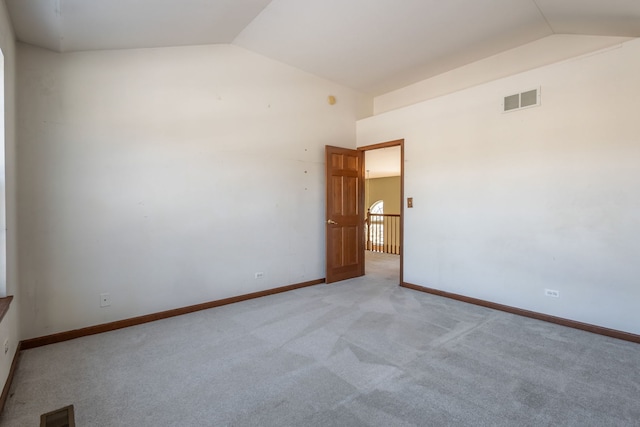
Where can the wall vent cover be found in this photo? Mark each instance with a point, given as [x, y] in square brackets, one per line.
[62, 417]
[518, 101]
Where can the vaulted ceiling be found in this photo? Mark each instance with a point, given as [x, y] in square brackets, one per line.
[370, 45]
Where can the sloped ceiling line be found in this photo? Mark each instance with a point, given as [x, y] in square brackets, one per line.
[373, 47]
[543, 16]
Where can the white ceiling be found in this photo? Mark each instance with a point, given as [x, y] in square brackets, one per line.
[75, 25]
[373, 46]
[382, 162]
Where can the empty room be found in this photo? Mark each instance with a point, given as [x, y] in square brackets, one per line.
[320, 213]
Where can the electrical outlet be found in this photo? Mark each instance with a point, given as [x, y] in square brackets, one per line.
[6, 346]
[105, 300]
[259, 275]
[551, 293]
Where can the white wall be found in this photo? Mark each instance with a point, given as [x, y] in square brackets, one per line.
[8, 209]
[547, 50]
[507, 205]
[168, 177]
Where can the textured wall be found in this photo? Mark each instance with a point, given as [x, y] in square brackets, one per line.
[508, 204]
[168, 177]
[8, 199]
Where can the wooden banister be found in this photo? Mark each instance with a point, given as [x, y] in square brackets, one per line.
[383, 233]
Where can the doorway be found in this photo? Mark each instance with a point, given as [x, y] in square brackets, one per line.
[384, 207]
[345, 210]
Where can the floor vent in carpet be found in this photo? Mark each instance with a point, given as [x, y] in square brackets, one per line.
[62, 417]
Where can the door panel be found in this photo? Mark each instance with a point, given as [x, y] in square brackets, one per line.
[345, 216]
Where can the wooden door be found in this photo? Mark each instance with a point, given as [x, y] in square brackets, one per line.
[345, 216]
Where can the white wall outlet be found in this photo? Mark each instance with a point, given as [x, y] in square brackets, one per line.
[6, 346]
[105, 300]
[551, 293]
[259, 275]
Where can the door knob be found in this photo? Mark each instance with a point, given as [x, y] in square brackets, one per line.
[332, 222]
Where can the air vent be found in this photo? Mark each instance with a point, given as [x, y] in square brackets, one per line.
[59, 418]
[512, 102]
[530, 98]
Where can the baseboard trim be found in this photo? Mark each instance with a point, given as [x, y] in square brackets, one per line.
[626, 336]
[7, 385]
[119, 324]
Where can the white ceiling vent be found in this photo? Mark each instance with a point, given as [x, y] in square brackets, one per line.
[529, 98]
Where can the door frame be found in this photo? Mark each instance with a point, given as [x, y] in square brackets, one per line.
[394, 143]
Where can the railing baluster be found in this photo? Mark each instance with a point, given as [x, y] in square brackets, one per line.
[387, 229]
[393, 235]
[383, 233]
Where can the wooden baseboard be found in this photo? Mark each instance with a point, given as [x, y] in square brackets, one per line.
[627, 336]
[112, 326]
[7, 385]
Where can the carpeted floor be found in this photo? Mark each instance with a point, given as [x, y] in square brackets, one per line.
[363, 352]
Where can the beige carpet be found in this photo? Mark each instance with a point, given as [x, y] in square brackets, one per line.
[363, 352]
